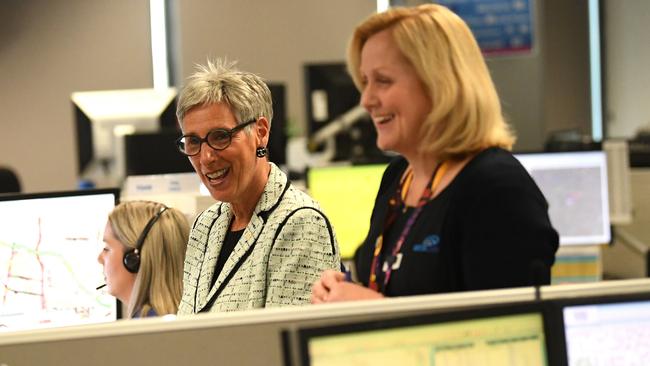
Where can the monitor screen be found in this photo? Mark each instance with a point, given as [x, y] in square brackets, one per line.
[608, 333]
[278, 138]
[575, 187]
[479, 337]
[347, 195]
[154, 153]
[49, 244]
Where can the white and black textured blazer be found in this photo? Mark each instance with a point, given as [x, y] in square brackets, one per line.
[283, 250]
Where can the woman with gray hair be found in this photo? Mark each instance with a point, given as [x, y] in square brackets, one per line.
[264, 242]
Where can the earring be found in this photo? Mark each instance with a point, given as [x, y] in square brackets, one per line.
[260, 152]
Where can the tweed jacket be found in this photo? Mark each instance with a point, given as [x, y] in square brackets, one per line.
[283, 250]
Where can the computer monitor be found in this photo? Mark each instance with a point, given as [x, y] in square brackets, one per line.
[104, 118]
[611, 330]
[575, 187]
[514, 334]
[347, 195]
[49, 244]
[278, 139]
[154, 153]
[329, 94]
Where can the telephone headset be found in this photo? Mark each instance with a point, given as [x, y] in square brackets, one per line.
[131, 258]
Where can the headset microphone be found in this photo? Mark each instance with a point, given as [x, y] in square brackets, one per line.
[101, 287]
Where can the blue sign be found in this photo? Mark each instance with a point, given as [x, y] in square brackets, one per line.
[499, 26]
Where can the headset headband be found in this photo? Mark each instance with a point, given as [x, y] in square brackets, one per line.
[140, 241]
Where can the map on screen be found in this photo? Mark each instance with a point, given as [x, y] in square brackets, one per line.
[48, 259]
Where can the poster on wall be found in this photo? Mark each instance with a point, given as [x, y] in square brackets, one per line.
[501, 27]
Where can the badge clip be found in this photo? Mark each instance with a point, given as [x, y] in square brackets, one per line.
[394, 261]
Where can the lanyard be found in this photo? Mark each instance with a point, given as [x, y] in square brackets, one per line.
[393, 212]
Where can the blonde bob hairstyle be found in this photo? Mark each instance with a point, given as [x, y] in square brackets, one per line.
[466, 115]
[245, 93]
[159, 281]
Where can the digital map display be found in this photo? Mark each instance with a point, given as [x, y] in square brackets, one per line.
[48, 261]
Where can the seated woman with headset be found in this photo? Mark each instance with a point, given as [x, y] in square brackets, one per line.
[143, 257]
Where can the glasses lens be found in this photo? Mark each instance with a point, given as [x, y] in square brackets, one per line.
[219, 139]
[189, 145]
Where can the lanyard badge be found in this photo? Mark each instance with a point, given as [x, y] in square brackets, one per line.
[393, 261]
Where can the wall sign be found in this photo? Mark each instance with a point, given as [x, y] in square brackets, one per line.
[501, 27]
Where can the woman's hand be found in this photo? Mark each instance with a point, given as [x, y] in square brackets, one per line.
[332, 287]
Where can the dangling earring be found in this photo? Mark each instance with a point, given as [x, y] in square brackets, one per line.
[260, 152]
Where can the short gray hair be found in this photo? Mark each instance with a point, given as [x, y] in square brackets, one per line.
[219, 81]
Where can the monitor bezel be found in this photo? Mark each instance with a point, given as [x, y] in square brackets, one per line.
[549, 321]
[577, 241]
[76, 193]
[56, 194]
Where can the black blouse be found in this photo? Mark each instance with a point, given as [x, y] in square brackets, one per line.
[489, 228]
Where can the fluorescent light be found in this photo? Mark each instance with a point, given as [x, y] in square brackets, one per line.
[382, 5]
[595, 73]
[159, 44]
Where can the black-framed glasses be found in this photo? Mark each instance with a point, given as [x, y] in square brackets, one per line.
[218, 139]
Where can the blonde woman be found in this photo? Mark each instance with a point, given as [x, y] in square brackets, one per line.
[456, 211]
[143, 256]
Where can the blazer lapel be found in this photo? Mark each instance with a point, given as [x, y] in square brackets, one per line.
[273, 192]
[215, 242]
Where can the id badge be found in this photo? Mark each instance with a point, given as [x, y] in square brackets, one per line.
[393, 261]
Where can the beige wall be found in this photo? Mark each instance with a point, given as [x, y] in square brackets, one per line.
[548, 89]
[567, 99]
[276, 38]
[271, 38]
[49, 49]
[627, 85]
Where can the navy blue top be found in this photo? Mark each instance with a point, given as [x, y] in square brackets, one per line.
[150, 313]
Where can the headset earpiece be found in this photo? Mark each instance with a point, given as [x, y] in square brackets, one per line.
[132, 261]
[131, 258]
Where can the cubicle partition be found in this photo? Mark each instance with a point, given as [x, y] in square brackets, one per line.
[240, 338]
[277, 336]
